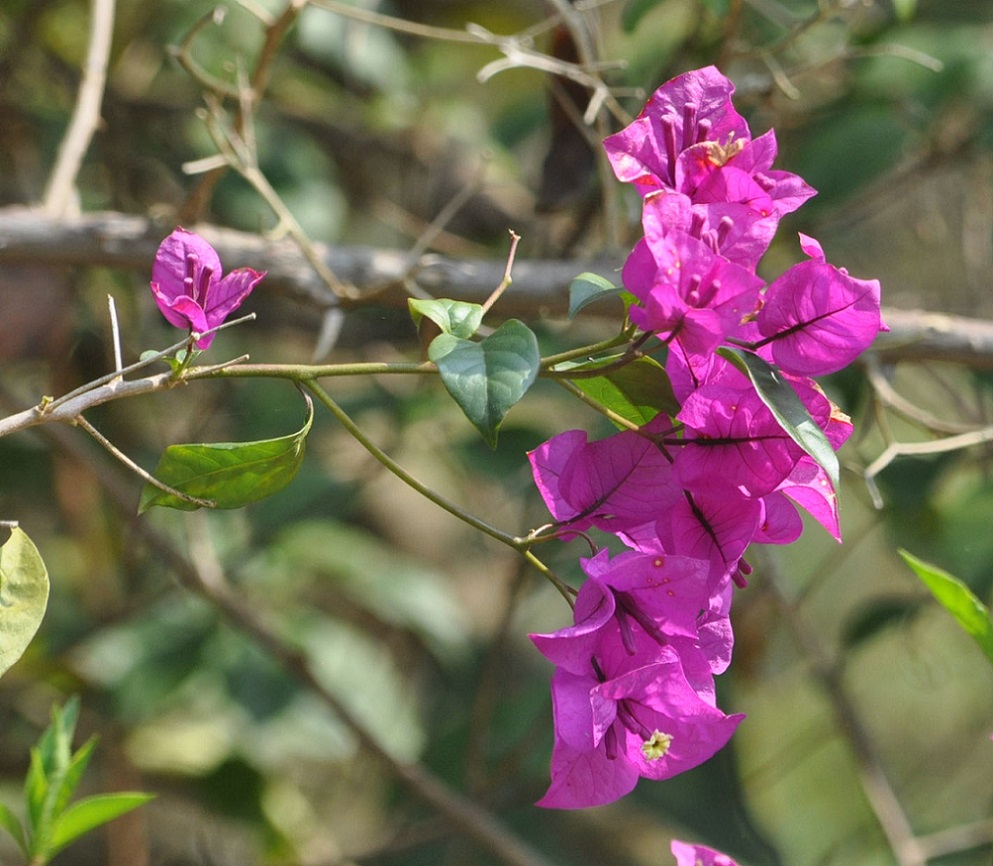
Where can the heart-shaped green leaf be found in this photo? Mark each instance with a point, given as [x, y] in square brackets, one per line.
[787, 408]
[955, 597]
[23, 595]
[228, 474]
[458, 318]
[487, 378]
[637, 391]
[587, 288]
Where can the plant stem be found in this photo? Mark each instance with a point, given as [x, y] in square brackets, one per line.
[315, 388]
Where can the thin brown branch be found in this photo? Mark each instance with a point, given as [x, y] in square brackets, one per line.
[247, 92]
[541, 287]
[60, 196]
[116, 452]
[515, 239]
[892, 399]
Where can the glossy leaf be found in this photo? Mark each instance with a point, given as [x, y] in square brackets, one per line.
[90, 813]
[787, 407]
[458, 318]
[955, 597]
[487, 378]
[587, 288]
[228, 474]
[637, 391]
[23, 595]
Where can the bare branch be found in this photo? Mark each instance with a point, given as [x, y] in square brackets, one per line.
[134, 467]
[60, 197]
[540, 287]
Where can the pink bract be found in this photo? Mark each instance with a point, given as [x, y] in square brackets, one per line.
[698, 855]
[690, 108]
[613, 727]
[188, 287]
[817, 319]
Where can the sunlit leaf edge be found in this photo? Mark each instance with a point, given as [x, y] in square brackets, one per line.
[955, 597]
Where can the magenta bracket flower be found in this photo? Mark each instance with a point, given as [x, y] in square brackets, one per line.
[698, 855]
[188, 287]
[614, 726]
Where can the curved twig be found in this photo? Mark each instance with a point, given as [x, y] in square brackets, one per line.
[60, 195]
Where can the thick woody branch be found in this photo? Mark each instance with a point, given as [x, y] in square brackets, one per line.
[384, 277]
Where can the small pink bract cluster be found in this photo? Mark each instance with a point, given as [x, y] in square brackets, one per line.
[189, 288]
[633, 689]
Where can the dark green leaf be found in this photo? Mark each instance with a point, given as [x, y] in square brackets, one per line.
[487, 378]
[23, 595]
[788, 409]
[955, 597]
[229, 474]
[637, 391]
[458, 318]
[90, 813]
[587, 288]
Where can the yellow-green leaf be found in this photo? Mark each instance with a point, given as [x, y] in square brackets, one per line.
[23, 595]
[955, 597]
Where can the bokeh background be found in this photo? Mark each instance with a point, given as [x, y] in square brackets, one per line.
[867, 707]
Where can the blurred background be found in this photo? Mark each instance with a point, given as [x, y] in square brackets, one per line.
[869, 712]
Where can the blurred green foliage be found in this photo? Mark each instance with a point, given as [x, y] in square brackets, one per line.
[417, 625]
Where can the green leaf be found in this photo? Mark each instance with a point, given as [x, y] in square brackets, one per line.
[787, 408]
[229, 474]
[23, 596]
[638, 391]
[10, 822]
[90, 813]
[51, 758]
[587, 288]
[955, 597]
[487, 378]
[74, 774]
[458, 318]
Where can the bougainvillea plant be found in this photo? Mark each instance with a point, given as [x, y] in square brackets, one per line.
[727, 438]
[689, 491]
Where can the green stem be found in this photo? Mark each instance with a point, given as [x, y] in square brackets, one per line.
[596, 405]
[304, 373]
[519, 544]
[585, 351]
[564, 589]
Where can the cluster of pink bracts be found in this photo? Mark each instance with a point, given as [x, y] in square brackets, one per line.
[633, 689]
